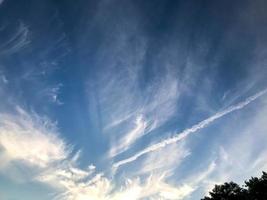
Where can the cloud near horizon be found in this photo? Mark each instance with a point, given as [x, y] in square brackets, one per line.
[182, 135]
[33, 141]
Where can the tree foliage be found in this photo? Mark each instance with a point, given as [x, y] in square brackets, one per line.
[254, 189]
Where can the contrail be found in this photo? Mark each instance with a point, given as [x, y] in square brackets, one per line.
[193, 129]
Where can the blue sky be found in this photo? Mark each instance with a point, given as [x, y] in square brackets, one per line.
[137, 100]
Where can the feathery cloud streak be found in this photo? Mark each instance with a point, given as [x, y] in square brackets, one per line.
[17, 41]
[29, 140]
[32, 142]
[193, 129]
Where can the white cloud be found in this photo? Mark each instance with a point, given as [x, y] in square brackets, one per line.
[119, 96]
[126, 140]
[154, 187]
[17, 41]
[243, 154]
[161, 105]
[182, 135]
[53, 94]
[148, 114]
[240, 155]
[157, 188]
[31, 140]
[164, 160]
[3, 79]
[21, 138]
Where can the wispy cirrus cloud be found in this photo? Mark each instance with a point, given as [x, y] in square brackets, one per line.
[149, 114]
[146, 74]
[29, 140]
[165, 161]
[232, 162]
[128, 138]
[3, 78]
[193, 129]
[52, 93]
[124, 105]
[21, 139]
[34, 142]
[154, 187]
[17, 41]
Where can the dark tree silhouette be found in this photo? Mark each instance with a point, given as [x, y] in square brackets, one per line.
[254, 189]
[229, 191]
[257, 187]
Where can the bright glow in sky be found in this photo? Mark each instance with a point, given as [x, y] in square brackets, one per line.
[136, 100]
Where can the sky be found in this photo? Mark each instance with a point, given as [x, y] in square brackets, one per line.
[132, 99]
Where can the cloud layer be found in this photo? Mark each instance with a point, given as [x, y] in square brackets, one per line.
[141, 100]
[33, 142]
[193, 129]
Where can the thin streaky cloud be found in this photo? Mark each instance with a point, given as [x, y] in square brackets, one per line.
[21, 140]
[17, 41]
[166, 160]
[130, 137]
[28, 140]
[182, 135]
[106, 101]
[150, 114]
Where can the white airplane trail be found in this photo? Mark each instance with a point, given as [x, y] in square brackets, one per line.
[193, 129]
